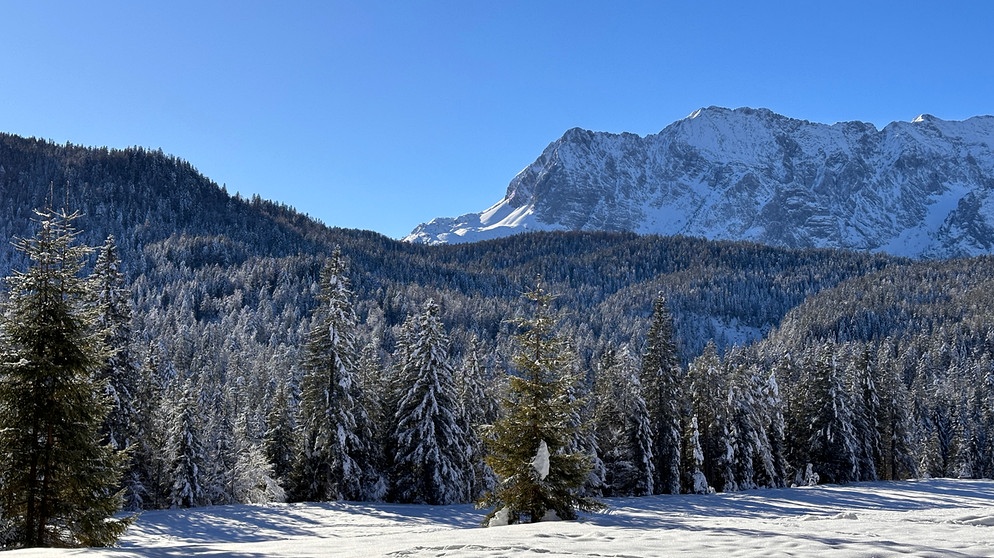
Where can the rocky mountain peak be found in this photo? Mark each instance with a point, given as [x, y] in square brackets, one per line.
[921, 188]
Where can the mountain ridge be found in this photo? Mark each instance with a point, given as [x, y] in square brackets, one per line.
[920, 189]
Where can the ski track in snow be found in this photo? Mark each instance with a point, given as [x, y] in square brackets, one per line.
[939, 517]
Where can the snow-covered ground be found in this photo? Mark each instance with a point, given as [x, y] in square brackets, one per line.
[915, 518]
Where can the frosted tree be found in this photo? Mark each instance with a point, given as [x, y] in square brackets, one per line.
[696, 481]
[894, 419]
[432, 450]
[336, 461]
[376, 397]
[828, 434]
[866, 414]
[708, 397]
[279, 443]
[661, 383]
[538, 421]
[477, 407]
[188, 462]
[252, 478]
[120, 372]
[623, 426]
[59, 481]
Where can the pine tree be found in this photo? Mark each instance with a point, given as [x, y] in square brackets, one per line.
[661, 382]
[477, 407]
[829, 437]
[279, 441]
[121, 372]
[188, 454]
[58, 484]
[708, 391]
[337, 459]
[431, 465]
[696, 481]
[529, 444]
[622, 426]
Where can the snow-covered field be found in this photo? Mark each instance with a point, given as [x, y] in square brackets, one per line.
[915, 518]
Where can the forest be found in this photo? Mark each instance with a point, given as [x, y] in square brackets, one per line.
[699, 366]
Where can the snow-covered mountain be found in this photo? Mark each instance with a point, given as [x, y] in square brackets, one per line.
[923, 188]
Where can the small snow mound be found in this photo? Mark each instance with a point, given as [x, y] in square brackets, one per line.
[978, 520]
[845, 515]
[501, 518]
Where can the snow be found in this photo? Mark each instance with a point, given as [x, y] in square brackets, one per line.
[541, 460]
[936, 517]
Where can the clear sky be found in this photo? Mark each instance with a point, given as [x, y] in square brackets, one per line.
[381, 115]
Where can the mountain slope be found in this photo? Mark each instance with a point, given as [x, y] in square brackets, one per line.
[919, 189]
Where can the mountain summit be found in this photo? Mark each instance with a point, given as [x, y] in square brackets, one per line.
[923, 188]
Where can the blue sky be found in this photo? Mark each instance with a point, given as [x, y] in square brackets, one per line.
[381, 115]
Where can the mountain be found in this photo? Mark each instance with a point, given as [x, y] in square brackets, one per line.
[920, 189]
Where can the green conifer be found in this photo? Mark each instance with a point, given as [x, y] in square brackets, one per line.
[529, 445]
[58, 485]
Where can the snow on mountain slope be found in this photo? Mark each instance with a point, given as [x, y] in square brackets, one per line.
[919, 189]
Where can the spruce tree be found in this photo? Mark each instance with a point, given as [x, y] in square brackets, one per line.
[336, 462]
[59, 482]
[529, 446]
[188, 454]
[661, 383]
[432, 449]
[279, 441]
[829, 436]
[622, 426]
[124, 426]
[477, 407]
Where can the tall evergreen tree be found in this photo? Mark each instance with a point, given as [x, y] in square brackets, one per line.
[188, 454]
[58, 484]
[477, 407]
[120, 372]
[661, 382]
[529, 446]
[432, 448]
[829, 436]
[622, 425]
[337, 461]
[279, 441]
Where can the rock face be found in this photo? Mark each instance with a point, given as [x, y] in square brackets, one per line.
[921, 189]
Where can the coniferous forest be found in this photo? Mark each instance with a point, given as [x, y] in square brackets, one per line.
[240, 351]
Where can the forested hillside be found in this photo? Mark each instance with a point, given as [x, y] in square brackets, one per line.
[226, 293]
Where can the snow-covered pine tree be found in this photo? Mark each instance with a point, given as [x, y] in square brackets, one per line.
[431, 463]
[280, 442]
[662, 380]
[528, 445]
[120, 372]
[375, 384]
[127, 423]
[622, 426]
[188, 455]
[477, 407]
[150, 464]
[336, 460]
[252, 479]
[695, 482]
[866, 412]
[59, 482]
[829, 436]
[708, 398]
